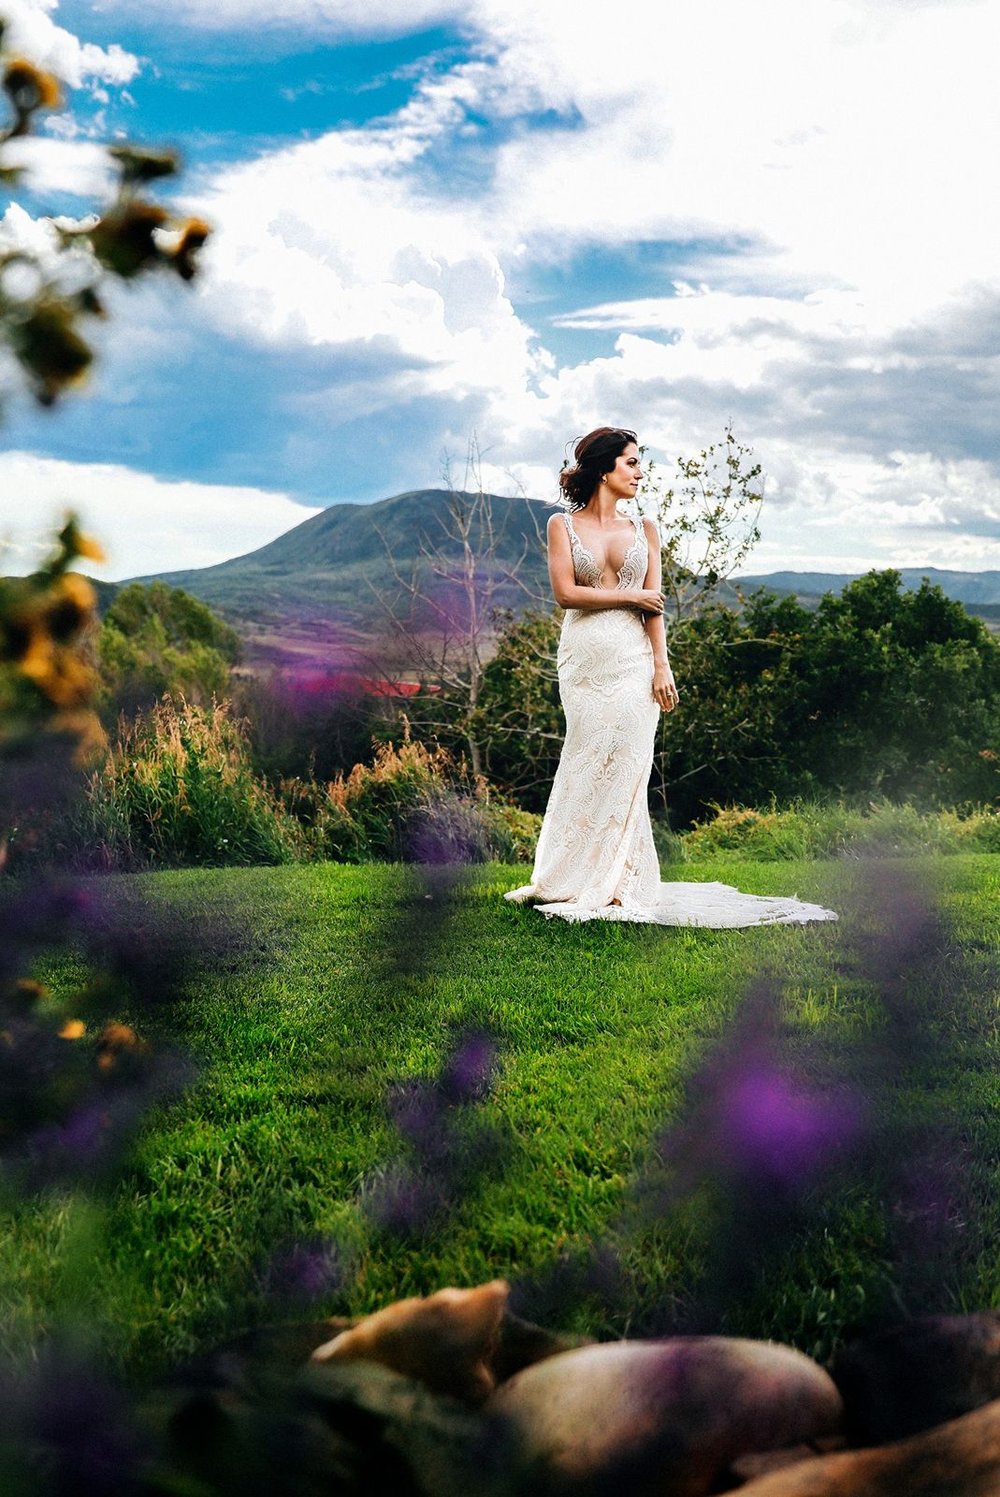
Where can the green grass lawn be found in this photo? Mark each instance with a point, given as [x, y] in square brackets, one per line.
[315, 990]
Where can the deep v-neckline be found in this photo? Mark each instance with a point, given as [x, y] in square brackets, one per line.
[639, 536]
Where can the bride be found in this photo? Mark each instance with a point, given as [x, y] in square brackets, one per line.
[595, 858]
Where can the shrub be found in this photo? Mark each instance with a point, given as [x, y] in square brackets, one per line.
[411, 804]
[177, 788]
[807, 830]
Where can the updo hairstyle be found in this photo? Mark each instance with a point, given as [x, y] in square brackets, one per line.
[596, 454]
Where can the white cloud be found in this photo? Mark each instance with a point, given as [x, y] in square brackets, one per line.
[145, 524]
[824, 176]
[830, 510]
[809, 141]
[31, 31]
[80, 167]
[333, 242]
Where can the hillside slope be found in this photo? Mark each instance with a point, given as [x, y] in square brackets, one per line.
[325, 586]
[319, 596]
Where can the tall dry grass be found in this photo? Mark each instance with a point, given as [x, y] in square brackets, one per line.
[178, 789]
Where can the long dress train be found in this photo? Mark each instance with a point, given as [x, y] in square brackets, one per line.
[595, 858]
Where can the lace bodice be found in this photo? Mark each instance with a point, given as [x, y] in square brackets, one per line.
[588, 573]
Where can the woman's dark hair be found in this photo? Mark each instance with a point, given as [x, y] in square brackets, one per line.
[596, 454]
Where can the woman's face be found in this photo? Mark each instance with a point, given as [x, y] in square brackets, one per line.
[626, 475]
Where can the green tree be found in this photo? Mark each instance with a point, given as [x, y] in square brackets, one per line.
[156, 639]
[904, 693]
[878, 693]
[518, 717]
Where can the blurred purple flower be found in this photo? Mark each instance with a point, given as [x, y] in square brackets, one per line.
[447, 830]
[770, 1124]
[403, 1202]
[467, 1075]
[303, 1271]
[415, 1109]
[448, 1149]
[67, 1430]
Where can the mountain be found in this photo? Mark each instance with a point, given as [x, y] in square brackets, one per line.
[324, 588]
[321, 593]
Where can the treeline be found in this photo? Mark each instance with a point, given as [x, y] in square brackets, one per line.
[879, 696]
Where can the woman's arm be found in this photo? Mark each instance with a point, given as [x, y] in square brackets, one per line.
[569, 594]
[664, 685]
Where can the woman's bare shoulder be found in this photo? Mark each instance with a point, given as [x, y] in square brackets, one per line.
[652, 534]
[557, 523]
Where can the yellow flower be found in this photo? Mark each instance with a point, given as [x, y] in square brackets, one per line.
[85, 546]
[73, 1029]
[85, 727]
[29, 87]
[58, 673]
[71, 603]
[193, 234]
[115, 1041]
[38, 662]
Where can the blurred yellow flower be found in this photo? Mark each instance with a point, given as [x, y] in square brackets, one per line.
[73, 1029]
[85, 546]
[28, 87]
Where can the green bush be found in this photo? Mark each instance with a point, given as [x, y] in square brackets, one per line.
[807, 830]
[411, 804]
[157, 640]
[177, 788]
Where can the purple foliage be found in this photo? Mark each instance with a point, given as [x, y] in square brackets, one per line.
[303, 1271]
[67, 1431]
[445, 1150]
[467, 1075]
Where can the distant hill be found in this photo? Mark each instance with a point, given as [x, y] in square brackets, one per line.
[322, 588]
[965, 587]
[318, 593]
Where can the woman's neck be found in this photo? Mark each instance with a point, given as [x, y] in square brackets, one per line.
[602, 507]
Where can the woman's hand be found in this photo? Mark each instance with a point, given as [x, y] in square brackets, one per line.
[649, 599]
[665, 687]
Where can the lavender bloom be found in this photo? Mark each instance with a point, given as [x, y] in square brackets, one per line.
[447, 829]
[304, 1271]
[771, 1125]
[66, 1431]
[400, 1201]
[468, 1075]
[446, 1150]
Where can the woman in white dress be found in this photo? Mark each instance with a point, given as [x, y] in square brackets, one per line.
[595, 858]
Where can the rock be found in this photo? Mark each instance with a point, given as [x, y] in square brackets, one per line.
[446, 1341]
[521, 1343]
[762, 1462]
[918, 1375]
[662, 1417]
[959, 1459]
[353, 1429]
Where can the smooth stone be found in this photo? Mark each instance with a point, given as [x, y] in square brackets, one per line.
[446, 1341]
[918, 1375]
[660, 1417]
[959, 1459]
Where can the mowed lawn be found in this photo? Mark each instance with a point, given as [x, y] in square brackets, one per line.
[315, 991]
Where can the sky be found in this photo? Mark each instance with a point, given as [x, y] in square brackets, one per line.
[500, 223]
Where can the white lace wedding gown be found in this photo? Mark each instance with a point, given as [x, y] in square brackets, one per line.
[595, 858]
